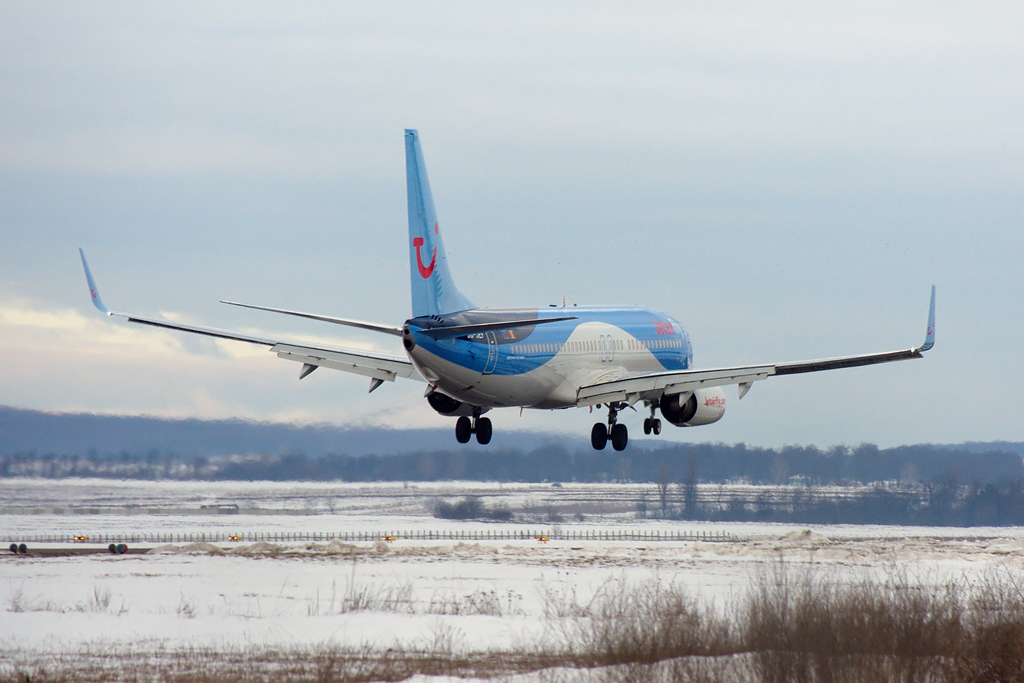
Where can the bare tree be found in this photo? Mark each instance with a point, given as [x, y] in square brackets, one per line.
[690, 488]
[664, 482]
[641, 505]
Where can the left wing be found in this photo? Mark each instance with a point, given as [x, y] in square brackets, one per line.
[378, 367]
[654, 385]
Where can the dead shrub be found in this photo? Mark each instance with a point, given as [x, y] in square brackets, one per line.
[644, 624]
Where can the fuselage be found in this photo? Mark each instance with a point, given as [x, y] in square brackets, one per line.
[543, 366]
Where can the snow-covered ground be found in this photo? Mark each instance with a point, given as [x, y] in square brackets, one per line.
[89, 506]
[478, 596]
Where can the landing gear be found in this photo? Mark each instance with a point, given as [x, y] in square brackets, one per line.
[465, 428]
[483, 431]
[620, 436]
[652, 424]
[618, 433]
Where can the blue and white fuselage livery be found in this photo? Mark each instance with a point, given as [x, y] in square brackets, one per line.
[475, 359]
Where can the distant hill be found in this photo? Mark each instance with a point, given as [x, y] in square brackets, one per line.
[34, 443]
[78, 434]
[989, 446]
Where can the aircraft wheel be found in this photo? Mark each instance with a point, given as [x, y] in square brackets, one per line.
[599, 436]
[463, 430]
[620, 436]
[647, 425]
[656, 426]
[483, 431]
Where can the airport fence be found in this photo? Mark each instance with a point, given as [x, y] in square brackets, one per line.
[645, 535]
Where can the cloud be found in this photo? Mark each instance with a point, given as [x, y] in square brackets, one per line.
[59, 359]
[45, 320]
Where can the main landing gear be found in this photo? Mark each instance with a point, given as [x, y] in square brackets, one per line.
[618, 433]
[652, 424]
[481, 426]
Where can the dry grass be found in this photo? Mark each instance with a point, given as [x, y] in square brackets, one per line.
[260, 664]
[803, 626]
[794, 625]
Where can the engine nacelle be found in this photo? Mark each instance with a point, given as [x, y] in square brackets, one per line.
[446, 405]
[702, 407]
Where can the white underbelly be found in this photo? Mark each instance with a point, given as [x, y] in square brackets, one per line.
[550, 386]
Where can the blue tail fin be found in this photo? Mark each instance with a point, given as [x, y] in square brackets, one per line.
[433, 290]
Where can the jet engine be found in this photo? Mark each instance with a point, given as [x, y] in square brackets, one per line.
[446, 405]
[702, 407]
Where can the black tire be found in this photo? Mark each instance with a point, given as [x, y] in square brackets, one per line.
[463, 430]
[112, 548]
[483, 431]
[22, 548]
[647, 425]
[656, 426]
[620, 437]
[599, 436]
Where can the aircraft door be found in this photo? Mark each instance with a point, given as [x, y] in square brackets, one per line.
[492, 353]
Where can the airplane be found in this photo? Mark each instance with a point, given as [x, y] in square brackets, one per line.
[473, 359]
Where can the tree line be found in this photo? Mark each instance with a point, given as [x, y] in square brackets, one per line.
[942, 501]
[704, 463]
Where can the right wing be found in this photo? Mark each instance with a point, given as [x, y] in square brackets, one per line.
[379, 367]
[652, 386]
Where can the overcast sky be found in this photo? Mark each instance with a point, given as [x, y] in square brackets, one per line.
[787, 180]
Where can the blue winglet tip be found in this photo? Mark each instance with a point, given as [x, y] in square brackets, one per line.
[94, 293]
[929, 339]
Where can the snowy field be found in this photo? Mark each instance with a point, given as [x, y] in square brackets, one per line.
[478, 596]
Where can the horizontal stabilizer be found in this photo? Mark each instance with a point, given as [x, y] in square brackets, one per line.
[463, 330]
[374, 327]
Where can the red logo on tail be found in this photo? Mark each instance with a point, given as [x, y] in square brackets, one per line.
[425, 271]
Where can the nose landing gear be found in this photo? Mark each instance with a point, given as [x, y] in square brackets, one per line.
[465, 428]
[618, 433]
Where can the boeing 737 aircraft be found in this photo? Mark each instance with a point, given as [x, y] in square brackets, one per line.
[474, 359]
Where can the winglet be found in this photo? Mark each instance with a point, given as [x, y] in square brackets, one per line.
[929, 339]
[93, 292]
